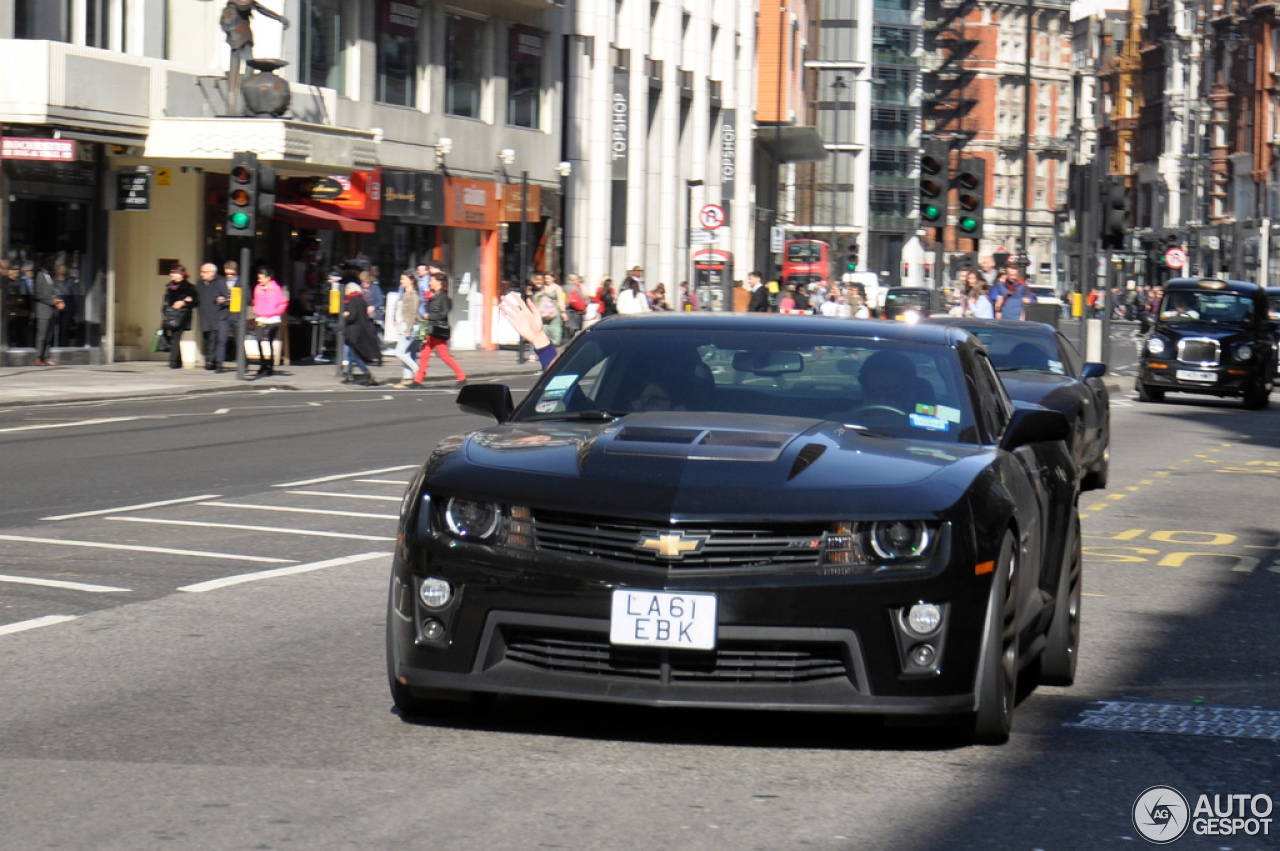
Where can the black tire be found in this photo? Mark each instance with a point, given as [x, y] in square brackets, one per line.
[1096, 479]
[1147, 393]
[1259, 398]
[997, 686]
[1062, 643]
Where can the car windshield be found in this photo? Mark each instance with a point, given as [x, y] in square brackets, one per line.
[904, 299]
[890, 387]
[1020, 350]
[1185, 307]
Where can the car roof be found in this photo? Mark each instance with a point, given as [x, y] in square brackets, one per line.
[999, 324]
[1198, 284]
[780, 324]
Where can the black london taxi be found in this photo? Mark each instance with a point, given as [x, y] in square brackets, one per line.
[1211, 337]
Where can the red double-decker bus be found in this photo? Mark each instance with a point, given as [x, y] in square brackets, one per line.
[805, 261]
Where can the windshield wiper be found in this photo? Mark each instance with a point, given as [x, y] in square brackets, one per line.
[593, 415]
[1026, 368]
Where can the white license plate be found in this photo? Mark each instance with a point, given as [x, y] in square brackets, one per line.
[1196, 375]
[663, 619]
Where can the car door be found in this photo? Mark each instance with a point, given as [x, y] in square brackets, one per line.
[1095, 404]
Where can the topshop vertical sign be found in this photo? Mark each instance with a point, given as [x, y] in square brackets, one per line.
[728, 157]
[619, 143]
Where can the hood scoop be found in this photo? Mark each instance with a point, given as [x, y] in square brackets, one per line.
[713, 444]
[805, 457]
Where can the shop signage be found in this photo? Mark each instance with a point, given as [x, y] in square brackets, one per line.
[511, 203]
[526, 45]
[133, 190]
[48, 150]
[416, 197]
[728, 153]
[361, 196]
[619, 144]
[400, 17]
[319, 188]
[470, 203]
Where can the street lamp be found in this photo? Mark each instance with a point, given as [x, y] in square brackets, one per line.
[688, 233]
[444, 147]
[564, 169]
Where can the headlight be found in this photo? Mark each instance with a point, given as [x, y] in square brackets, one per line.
[474, 520]
[881, 544]
[434, 592]
[1155, 346]
[1244, 351]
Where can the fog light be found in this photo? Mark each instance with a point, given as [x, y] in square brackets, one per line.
[922, 655]
[435, 593]
[924, 619]
[432, 629]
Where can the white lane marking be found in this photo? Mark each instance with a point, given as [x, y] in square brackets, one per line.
[383, 482]
[347, 495]
[133, 507]
[223, 411]
[290, 510]
[139, 548]
[279, 530]
[227, 581]
[75, 424]
[59, 583]
[322, 479]
[34, 623]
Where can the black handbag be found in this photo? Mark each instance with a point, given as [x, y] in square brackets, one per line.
[174, 317]
[439, 330]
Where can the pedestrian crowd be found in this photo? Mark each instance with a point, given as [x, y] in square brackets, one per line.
[46, 306]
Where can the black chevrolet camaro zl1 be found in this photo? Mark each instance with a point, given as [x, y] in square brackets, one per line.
[745, 511]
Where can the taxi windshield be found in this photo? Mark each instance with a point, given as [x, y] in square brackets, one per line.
[890, 387]
[1186, 307]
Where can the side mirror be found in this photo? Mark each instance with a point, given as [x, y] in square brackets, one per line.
[1093, 369]
[1034, 424]
[487, 400]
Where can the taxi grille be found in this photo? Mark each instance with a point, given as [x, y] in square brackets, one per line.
[1200, 351]
[723, 546]
[584, 653]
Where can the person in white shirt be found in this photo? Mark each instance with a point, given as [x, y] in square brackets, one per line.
[631, 299]
[832, 305]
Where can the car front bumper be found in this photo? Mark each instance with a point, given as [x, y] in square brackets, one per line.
[1227, 380]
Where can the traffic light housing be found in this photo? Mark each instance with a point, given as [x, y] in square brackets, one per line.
[1115, 212]
[971, 188]
[935, 182]
[242, 195]
[266, 192]
[851, 255]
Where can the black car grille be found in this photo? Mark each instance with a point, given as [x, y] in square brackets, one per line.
[723, 546]
[588, 654]
[1199, 351]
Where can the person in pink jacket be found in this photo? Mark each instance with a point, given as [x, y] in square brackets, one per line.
[269, 305]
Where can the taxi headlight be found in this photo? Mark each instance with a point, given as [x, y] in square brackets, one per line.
[1155, 346]
[1244, 351]
[472, 520]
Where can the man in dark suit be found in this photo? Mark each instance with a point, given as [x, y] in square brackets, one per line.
[213, 299]
[47, 301]
[759, 294]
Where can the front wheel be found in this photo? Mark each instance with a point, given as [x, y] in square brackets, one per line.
[997, 687]
[1147, 393]
[1061, 649]
[1259, 397]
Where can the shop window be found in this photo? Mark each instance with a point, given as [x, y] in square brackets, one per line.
[464, 65]
[45, 20]
[524, 76]
[398, 52]
[321, 44]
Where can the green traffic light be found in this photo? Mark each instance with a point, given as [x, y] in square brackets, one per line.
[240, 220]
[968, 224]
[851, 267]
[930, 212]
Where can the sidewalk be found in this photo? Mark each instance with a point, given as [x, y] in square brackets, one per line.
[47, 384]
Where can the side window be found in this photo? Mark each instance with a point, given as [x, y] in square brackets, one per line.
[993, 406]
[1070, 357]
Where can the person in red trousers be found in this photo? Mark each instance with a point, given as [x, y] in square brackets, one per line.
[438, 331]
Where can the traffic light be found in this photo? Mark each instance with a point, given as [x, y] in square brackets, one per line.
[242, 195]
[935, 182]
[971, 187]
[851, 255]
[1115, 212]
[266, 191]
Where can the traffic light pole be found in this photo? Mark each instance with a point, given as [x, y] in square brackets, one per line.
[241, 321]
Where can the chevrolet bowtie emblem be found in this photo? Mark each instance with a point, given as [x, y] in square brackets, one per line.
[671, 545]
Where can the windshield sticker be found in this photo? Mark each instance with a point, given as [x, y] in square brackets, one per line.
[557, 387]
[1055, 366]
[931, 423]
[927, 410]
[546, 407]
[947, 414]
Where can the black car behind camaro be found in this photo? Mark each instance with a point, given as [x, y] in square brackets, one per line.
[745, 511]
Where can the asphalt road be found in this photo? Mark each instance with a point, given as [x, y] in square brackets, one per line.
[211, 673]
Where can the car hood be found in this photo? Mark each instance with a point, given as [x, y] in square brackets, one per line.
[1223, 333]
[1038, 387]
[689, 465]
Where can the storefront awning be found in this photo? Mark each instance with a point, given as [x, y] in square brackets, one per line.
[792, 144]
[314, 218]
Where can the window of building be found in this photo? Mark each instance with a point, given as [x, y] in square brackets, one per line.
[463, 65]
[398, 22]
[323, 55]
[45, 20]
[524, 76]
